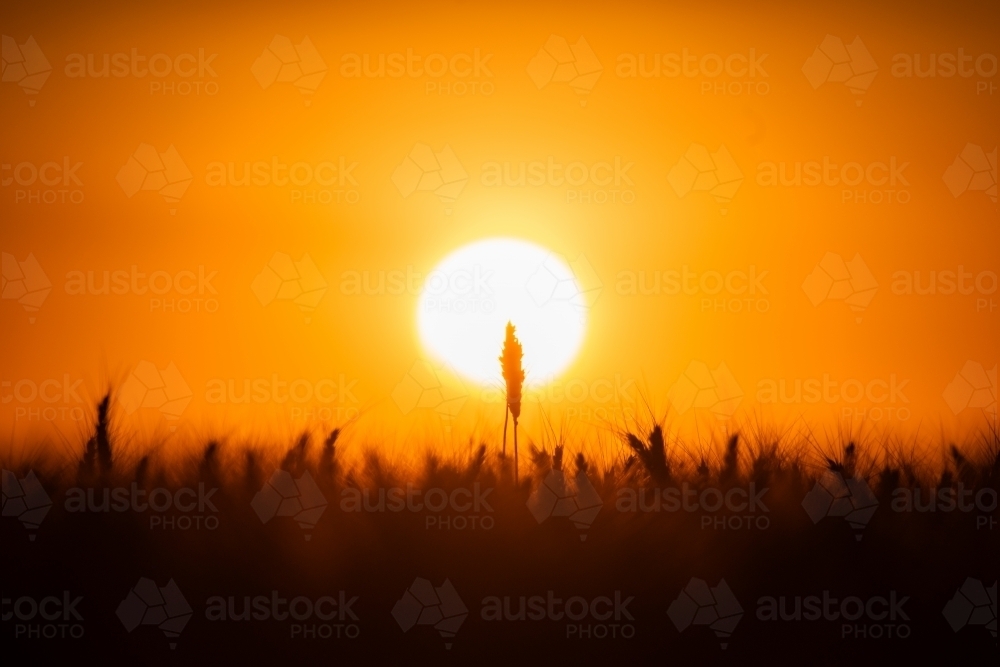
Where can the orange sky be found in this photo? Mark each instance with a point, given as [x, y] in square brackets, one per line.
[220, 102]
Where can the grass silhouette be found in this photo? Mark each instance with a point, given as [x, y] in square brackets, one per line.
[369, 545]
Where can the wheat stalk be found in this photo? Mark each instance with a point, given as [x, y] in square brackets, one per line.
[513, 374]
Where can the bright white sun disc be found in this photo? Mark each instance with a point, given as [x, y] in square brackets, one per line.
[469, 297]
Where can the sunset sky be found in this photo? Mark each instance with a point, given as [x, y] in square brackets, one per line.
[659, 149]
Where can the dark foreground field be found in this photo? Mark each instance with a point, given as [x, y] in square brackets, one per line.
[766, 553]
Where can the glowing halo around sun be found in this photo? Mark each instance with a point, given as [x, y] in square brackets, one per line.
[469, 297]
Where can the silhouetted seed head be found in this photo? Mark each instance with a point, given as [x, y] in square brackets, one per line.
[581, 463]
[97, 453]
[846, 466]
[475, 465]
[513, 373]
[253, 475]
[479, 459]
[295, 459]
[850, 455]
[656, 439]
[432, 463]
[888, 480]
[957, 457]
[541, 460]
[142, 471]
[654, 456]
[329, 451]
[102, 437]
[210, 461]
[331, 439]
[730, 465]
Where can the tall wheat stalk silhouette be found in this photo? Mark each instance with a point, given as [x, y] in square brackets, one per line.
[513, 374]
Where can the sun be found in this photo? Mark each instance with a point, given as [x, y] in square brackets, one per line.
[469, 297]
